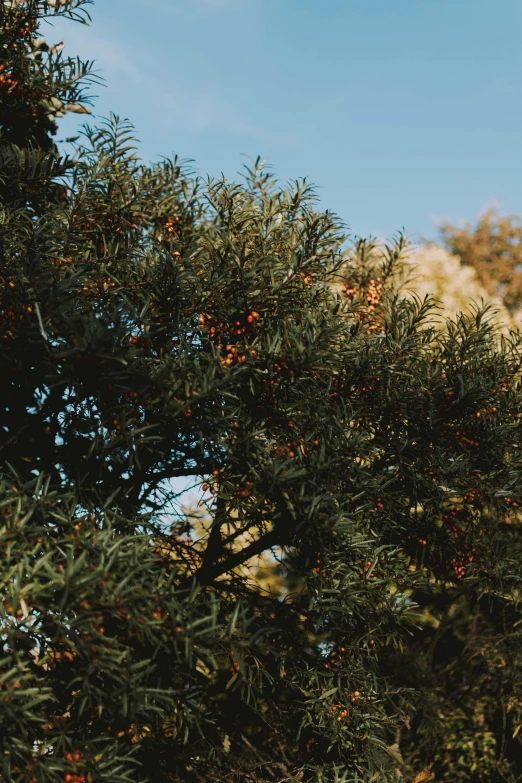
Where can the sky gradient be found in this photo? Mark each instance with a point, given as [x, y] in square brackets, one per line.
[402, 113]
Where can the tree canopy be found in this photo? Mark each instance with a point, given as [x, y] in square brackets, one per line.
[493, 247]
[154, 326]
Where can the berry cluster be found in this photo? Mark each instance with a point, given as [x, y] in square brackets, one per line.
[217, 329]
[374, 294]
[245, 492]
[64, 263]
[356, 698]
[454, 519]
[475, 499]
[456, 514]
[350, 291]
[372, 299]
[73, 776]
[290, 449]
[210, 487]
[171, 227]
[140, 341]
[281, 369]
[233, 356]
[465, 439]
[234, 668]
[92, 287]
[7, 82]
[9, 317]
[457, 563]
[339, 386]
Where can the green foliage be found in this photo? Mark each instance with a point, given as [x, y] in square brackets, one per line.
[37, 84]
[154, 327]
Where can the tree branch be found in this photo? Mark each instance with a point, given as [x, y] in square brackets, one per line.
[208, 574]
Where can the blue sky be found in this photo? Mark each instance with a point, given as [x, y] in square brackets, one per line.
[402, 112]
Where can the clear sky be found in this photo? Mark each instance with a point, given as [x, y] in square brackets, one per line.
[402, 112]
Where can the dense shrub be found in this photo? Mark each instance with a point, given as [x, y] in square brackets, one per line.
[154, 327]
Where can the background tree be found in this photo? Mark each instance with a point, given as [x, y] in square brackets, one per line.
[431, 270]
[155, 327]
[493, 247]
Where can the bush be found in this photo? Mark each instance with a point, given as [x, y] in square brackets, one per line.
[154, 327]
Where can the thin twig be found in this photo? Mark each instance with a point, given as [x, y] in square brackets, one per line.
[39, 316]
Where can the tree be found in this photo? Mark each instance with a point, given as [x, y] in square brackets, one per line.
[494, 249]
[433, 271]
[155, 327]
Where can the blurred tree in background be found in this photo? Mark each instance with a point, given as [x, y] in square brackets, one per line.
[493, 248]
[432, 270]
[155, 328]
